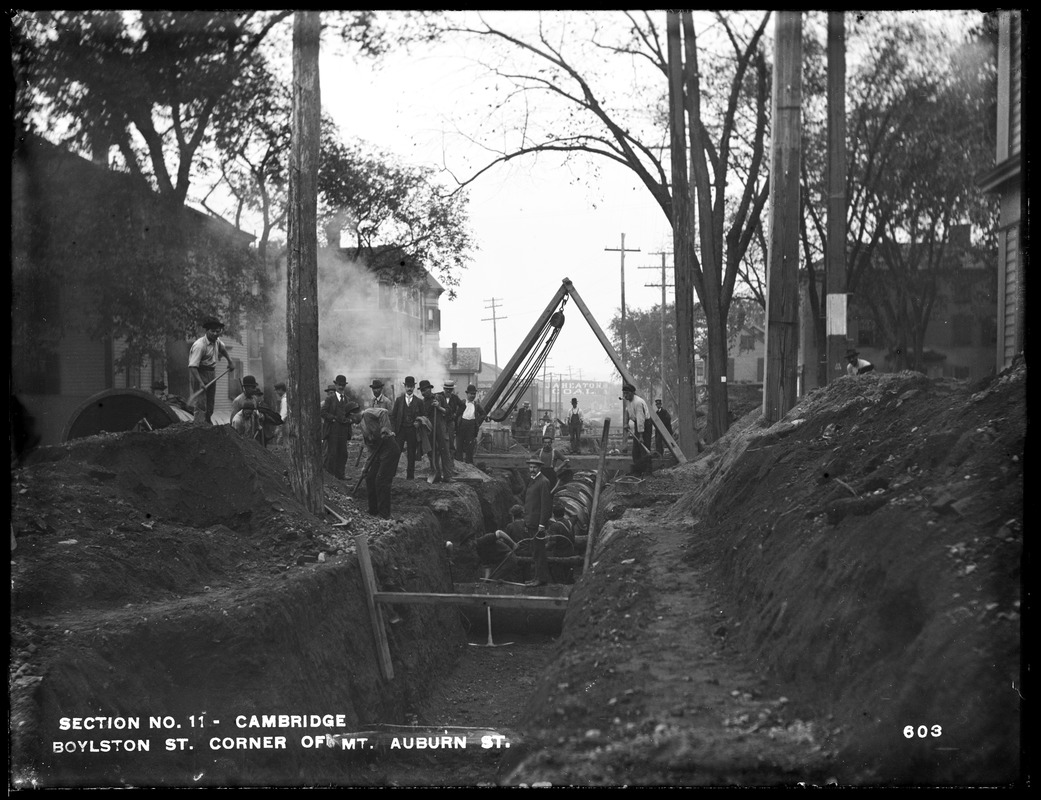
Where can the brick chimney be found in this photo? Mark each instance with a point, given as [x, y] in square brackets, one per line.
[455, 354]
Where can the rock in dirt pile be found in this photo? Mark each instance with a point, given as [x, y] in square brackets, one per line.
[833, 598]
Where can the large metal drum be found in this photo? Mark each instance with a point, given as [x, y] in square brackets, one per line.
[116, 410]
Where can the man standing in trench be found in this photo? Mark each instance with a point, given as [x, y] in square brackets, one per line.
[538, 506]
[384, 453]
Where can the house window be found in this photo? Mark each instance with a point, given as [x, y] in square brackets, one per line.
[747, 342]
[961, 330]
[962, 292]
[253, 343]
[988, 331]
[866, 333]
[234, 379]
[433, 319]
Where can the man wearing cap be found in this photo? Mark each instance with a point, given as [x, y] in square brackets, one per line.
[639, 422]
[379, 400]
[404, 419]
[857, 365]
[160, 393]
[522, 425]
[538, 505]
[436, 411]
[666, 421]
[336, 425]
[574, 426]
[206, 351]
[384, 453]
[455, 409]
[555, 465]
[244, 407]
[470, 419]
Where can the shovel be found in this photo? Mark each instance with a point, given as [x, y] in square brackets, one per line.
[433, 447]
[207, 386]
[368, 466]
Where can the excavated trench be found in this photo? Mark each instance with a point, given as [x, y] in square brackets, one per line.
[273, 681]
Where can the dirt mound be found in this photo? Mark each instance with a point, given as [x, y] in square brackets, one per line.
[834, 598]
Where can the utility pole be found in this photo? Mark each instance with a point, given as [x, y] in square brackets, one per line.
[836, 252]
[782, 278]
[623, 251]
[663, 285]
[305, 467]
[495, 332]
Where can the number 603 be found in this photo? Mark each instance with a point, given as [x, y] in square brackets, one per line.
[922, 731]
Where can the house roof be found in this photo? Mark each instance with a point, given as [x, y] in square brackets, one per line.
[468, 359]
[32, 146]
[390, 264]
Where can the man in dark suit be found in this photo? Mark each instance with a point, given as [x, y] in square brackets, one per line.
[336, 425]
[666, 421]
[404, 413]
[538, 506]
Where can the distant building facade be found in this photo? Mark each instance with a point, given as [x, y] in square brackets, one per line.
[65, 208]
[1006, 181]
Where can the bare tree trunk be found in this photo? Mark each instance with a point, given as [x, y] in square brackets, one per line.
[305, 467]
[782, 302]
[683, 240]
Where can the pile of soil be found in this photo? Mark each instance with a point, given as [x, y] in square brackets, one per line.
[831, 599]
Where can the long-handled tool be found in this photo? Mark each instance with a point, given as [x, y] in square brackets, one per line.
[368, 466]
[490, 642]
[434, 447]
[208, 385]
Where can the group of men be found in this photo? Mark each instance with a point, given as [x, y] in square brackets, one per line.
[441, 425]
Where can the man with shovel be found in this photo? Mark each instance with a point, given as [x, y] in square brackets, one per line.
[382, 464]
[206, 351]
[436, 411]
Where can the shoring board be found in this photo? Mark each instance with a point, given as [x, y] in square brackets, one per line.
[472, 600]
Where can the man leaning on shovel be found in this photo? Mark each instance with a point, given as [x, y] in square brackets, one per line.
[206, 351]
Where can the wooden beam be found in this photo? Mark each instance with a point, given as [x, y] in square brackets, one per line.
[508, 372]
[591, 530]
[583, 463]
[666, 434]
[369, 579]
[471, 600]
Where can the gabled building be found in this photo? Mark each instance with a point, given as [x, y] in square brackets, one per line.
[746, 354]
[1006, 181]
[463, 365]
[67, 211]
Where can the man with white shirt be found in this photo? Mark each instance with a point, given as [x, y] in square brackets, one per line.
[470, 419]
[403, 415]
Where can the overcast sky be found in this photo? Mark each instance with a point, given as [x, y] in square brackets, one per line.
[533, 223]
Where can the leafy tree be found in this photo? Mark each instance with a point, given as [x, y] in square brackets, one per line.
[560, 67]
[644, 339]
[397, 208]
[151, 83]
[919, 119]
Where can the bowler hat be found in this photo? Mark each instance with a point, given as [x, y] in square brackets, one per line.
[471, 389]
[340, 380]
[158, 385]
[852, 353]
[212, 324]
[410, 381]
[425, 384]
[574, 400]
[249, 380]
[376, 384]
